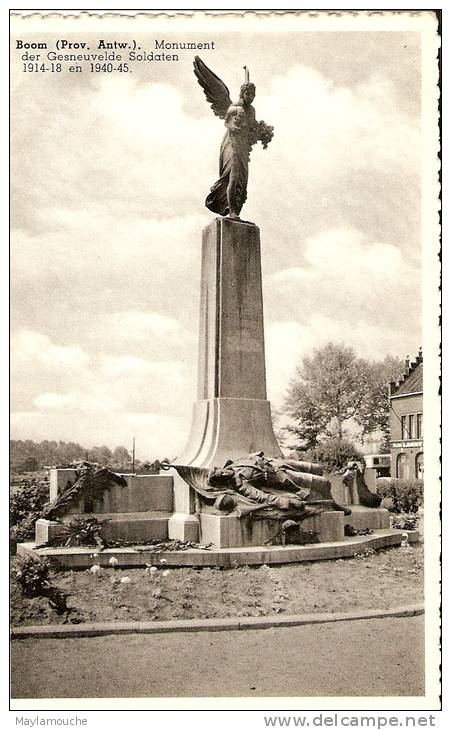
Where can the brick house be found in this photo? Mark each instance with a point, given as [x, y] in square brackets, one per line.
[406, 422]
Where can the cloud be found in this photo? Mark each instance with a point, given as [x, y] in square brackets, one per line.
[142, 325]
[157, 435]
[349, 289]
[107, 238]
[350, 279]
[34, 347]
[83, 402]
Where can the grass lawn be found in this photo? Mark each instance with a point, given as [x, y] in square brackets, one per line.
[387, 578]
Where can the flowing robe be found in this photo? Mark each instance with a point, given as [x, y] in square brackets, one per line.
[233, 160]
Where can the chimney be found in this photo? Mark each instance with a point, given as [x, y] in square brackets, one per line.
[407, 364]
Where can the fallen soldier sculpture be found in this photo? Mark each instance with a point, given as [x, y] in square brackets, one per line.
[261, 487]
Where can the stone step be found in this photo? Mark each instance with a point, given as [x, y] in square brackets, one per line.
[78, 557]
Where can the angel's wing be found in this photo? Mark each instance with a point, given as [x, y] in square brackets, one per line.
[215, 90]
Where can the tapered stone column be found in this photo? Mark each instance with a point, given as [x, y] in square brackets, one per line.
[231, 416]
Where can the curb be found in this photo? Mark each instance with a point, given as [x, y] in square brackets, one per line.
[64, 631]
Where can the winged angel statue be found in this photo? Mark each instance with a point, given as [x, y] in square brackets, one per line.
[228, 194]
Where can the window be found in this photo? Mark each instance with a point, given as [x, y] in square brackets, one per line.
[419, 425]
[419, 466]
[411, 427]
[404, 434]
[402, 467]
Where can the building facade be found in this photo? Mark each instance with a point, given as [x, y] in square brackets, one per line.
[406, 422]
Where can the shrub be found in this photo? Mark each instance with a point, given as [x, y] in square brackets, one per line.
[28, 501]
[401, 495]
[25, 507]
[404, 521]
[83, 531]
[333, 454]
[32, 575]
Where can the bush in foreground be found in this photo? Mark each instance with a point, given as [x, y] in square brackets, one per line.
[25, 507]
[33, 577]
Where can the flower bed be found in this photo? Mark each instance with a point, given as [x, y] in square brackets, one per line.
[374, 580]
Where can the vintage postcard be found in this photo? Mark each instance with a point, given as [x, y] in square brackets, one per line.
[225, 472]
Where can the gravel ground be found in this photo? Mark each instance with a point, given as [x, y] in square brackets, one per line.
[373, 658]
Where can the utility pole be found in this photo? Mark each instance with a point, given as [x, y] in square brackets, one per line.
[133, 456]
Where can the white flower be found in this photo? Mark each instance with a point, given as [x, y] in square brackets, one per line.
[95, 569]
[165, 573]
[125, 579]
[152, 569]
[113, 562]
[163, 560]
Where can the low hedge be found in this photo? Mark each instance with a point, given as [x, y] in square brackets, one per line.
[401, 495]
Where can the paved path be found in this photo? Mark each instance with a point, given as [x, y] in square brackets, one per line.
[374, 658]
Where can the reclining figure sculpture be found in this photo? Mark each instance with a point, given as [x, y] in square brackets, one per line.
[261, 487]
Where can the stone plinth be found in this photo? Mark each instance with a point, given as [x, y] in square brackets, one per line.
[228, 531]
[232, 416]
[139, 511]
[183, 523]
[46, 530]
[133, 526]
[373, 518]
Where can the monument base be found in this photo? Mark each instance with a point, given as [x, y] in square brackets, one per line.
[229, 428]
[78, 557]
[228, 531]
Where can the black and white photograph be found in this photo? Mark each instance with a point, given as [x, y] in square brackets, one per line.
[225, 338]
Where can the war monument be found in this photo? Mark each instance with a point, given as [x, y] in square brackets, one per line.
[230, 497]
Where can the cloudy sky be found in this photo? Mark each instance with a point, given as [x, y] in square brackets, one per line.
[110, 173]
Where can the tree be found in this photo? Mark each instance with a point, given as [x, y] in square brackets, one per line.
[327, 391]
[374, 412]
[100, 455]
[29, 464]
[121, 455]
[333, 454]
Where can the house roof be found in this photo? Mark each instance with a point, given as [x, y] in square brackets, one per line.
[412, 380]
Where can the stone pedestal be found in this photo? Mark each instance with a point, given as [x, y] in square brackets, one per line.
[46, 530]
[228, 531]
[183, 523]
[373, 518]
[139, 511]
[232, 416]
